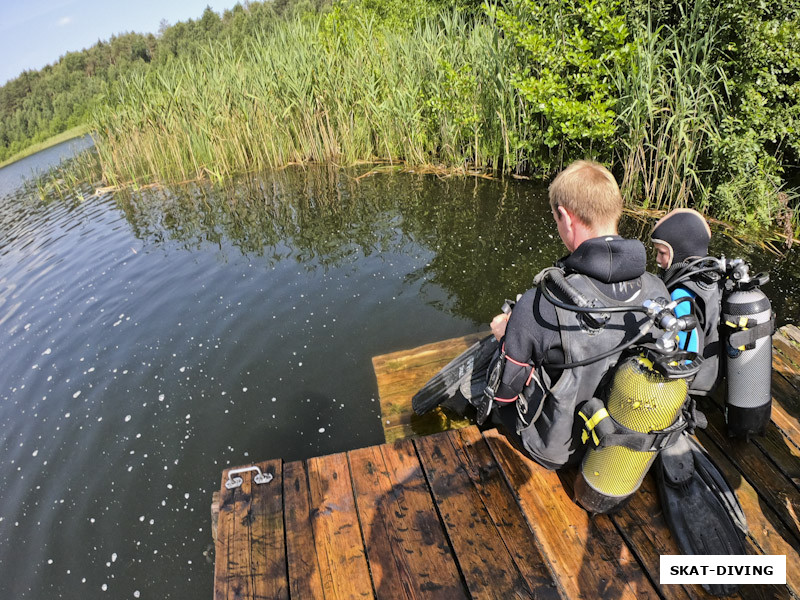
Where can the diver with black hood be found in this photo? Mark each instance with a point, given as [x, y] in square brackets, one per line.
[680, 238]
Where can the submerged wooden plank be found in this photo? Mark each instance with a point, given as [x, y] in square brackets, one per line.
[401, 374]
[305, 580]
[337, 533]
[494, 547]
[407, 550]
[250, 559]
[587, 556]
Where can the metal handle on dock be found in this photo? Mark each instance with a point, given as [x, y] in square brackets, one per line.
[234, 482]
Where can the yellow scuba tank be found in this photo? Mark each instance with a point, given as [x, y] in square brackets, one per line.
[643, 412]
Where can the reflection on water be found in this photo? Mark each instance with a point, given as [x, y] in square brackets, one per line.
[149, 339]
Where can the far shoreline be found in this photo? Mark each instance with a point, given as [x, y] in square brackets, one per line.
[69, 134]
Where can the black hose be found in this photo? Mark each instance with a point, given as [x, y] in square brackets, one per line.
[686, 271]
[676, 280]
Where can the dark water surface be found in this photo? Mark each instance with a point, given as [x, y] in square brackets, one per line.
[147, 340]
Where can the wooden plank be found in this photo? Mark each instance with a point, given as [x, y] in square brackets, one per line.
[224, 546]
[642, 525]
[785, 420]
[214, 514]
[305, 580]
[587, 556]
[781, 451]
[408, 552]
[507, 516]
[337, 533]
[251, 560]
[788, 350]
[401, 374]
[485, 561]
[792, 332]
[767, 531]
[477, 469]
[775, 489]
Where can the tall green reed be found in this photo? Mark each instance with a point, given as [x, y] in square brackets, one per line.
[668, 114]
[302, 92]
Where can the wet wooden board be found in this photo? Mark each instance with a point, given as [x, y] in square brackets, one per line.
[337, 534]
[253, 564]
[408, 551]
[768, 533]
[587, 555]
[474, 509]
[464, 514]
[305, 580]
[401, 374]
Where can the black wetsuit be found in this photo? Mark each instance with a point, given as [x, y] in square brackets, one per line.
[613, 267]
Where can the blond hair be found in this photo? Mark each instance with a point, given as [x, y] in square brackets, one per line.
[589, 191]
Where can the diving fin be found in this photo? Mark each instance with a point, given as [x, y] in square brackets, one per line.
[470, 364]
[701, 509]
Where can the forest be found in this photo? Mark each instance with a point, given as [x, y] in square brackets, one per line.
[691, 104]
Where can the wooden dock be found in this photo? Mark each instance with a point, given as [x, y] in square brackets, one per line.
[463, 514]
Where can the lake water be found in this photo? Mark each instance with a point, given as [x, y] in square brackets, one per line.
[150, 339]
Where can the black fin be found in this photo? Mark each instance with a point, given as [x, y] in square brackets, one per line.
[473, 362]
[701, 509]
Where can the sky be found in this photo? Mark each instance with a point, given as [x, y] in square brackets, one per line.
[35, 33]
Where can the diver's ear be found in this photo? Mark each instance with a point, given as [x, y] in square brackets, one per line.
[566, 221]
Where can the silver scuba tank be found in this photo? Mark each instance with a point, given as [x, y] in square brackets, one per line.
[748, 323]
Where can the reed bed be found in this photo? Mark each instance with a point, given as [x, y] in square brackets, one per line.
[438, 95]
[435, 95]
[668, 114]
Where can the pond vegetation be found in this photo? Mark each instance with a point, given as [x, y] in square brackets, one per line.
[691, 104]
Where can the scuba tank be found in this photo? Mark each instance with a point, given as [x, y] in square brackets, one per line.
[644, 413]
[643, 401]
[745, 347]
[749, 323]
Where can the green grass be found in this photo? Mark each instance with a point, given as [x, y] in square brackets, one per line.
[69, 134]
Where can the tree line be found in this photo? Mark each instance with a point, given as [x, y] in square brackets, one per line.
[39, 104]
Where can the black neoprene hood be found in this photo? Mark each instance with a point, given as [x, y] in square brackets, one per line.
[609, 259]
[686, 234]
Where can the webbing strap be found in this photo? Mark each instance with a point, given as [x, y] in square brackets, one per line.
[592, 413]
[747, 336]
[605, 431]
